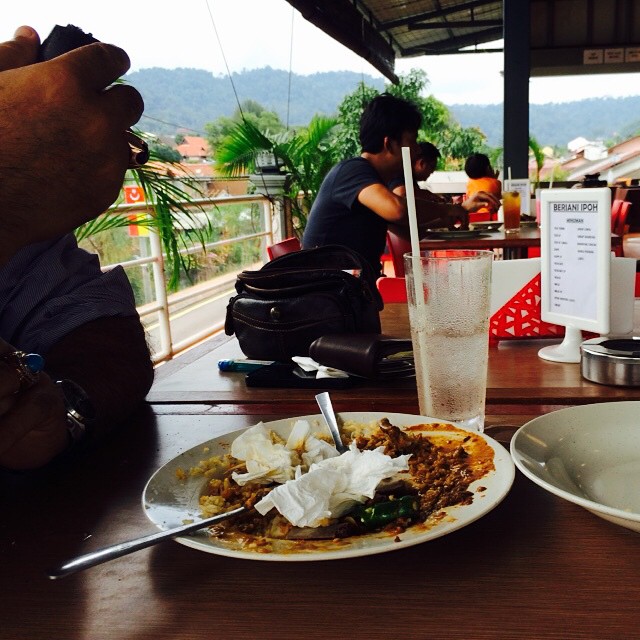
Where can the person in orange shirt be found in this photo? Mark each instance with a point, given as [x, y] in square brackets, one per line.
[482, 177]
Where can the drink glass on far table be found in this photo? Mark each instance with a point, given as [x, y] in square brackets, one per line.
[511, 211]
[449, 295]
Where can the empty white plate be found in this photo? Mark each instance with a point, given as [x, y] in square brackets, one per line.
[588, 455]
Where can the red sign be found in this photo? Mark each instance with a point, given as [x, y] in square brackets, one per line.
[133, 194]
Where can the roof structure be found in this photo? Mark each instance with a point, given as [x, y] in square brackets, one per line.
[567, 36]
[538, 37]
[194, 147]
[622, 161]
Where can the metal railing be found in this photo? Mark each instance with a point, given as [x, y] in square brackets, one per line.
[163, 301]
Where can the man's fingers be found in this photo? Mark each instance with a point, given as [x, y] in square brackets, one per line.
[124, 103]
[36, 408]
[20, 51]
[97, 65]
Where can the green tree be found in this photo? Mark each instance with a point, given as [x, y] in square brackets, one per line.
[164, 153]
[306, 155]
[458, 143]
[175, 221]
[538, 156]
[438, 126]
[248, 111]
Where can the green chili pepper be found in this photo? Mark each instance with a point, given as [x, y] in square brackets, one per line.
[381, 513]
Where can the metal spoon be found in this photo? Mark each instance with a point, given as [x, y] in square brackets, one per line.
[123, 548]
[324, 402]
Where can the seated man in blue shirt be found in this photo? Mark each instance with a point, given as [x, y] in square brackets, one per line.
[354, 204]
[63, 160]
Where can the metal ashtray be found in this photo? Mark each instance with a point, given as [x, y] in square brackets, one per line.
[614, 361]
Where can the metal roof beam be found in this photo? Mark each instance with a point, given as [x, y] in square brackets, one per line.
[439, 13]
[454, 44]
[342, 20]
[458, 24]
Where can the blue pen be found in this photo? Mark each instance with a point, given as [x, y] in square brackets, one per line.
[242, 365]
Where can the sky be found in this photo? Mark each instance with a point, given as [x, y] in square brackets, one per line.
[217, 35]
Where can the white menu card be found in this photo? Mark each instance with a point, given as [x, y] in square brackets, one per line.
[575, 265]
[523, 187]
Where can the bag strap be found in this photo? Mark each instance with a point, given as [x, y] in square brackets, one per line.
[331, 256]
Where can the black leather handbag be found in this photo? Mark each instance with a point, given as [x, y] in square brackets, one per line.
[282, 308]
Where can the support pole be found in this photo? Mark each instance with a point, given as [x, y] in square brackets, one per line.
[517, 40]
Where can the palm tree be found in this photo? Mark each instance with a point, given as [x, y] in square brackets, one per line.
[538, 157]
[168, 189]
[306, 155]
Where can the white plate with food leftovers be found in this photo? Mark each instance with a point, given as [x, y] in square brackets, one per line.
[404, 480]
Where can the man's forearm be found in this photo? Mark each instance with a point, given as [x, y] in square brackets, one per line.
[110, 360]
[430, 214]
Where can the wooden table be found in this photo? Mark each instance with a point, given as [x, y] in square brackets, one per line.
[514, 245]
[534, 567]
[518, 381]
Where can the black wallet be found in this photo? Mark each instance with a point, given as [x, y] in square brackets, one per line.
[369, 355]
[290, 376]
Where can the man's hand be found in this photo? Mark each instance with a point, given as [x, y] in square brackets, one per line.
[481, 199]
[32, 422]
[64, 151]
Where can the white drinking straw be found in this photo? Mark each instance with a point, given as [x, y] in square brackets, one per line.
[421, 362]
[411, 201]
[413, 226]
[509, 176]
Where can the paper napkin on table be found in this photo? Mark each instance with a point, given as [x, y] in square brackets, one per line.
[309, 364]
[332, 486]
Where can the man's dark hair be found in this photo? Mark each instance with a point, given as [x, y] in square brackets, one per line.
[429, 151]
[477, 165]
[387, 116]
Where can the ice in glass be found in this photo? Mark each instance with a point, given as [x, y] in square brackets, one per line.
[449, 299]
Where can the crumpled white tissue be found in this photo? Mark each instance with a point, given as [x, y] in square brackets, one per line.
[309, 364]
[332, 486]
[269, 462]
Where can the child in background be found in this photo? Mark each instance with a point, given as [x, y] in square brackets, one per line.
[482, 177]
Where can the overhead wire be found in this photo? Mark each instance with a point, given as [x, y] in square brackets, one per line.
[224, 58]
[293, 14]
[173, 124]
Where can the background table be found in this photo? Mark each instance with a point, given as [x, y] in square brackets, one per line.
[514, 245]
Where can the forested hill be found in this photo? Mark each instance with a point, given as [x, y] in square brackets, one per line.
[188, 98]
[558, 123]
[191, 97]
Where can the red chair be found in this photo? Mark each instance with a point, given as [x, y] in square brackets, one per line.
[615, 212]
[398, 246]
[392, 289]
[621, 222]
[619, 214]
[289, 245]
[386, 257]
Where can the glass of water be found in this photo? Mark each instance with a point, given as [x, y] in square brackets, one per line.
[449, 295]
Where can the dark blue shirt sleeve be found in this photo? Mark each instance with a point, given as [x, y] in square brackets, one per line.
[50, 288]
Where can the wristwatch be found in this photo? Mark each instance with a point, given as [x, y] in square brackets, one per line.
[80, 410]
